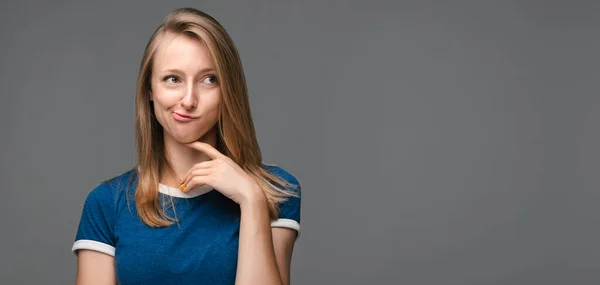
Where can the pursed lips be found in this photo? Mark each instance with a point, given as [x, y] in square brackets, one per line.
[183, 117]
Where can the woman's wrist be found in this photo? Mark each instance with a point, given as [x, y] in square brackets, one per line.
[253, 198]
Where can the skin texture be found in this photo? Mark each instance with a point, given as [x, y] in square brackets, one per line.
[184, 82]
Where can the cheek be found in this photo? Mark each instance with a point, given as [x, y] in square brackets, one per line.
[163, 104]
[216, 104]
[217, 99]
[161, 107]
[165, 98]
[212, 104]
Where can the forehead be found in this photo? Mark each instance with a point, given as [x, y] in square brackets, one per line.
[180, 51]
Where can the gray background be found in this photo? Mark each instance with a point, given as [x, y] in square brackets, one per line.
[449, 142]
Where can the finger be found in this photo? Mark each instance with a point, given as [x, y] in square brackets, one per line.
[201, 165]
[206, 148]
[197, 181]
[196, 172]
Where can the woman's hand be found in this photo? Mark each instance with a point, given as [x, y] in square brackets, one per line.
[222, 174]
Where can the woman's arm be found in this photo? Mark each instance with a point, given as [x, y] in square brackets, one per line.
[95, 268]
[258, 258]
[264, 254]
[283, 244]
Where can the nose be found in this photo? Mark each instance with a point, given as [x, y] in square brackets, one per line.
[190, 98]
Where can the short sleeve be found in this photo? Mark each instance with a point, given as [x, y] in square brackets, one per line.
[289, 210]
[97, 224]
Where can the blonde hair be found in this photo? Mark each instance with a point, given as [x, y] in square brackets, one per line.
[236, 136]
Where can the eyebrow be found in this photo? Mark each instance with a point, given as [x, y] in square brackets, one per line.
[204, 70]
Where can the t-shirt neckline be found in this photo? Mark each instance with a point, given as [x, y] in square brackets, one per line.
[176, 192]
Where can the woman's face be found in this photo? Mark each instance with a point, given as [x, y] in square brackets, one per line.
[185, 90]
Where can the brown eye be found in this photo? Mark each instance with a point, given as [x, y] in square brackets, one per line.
[211, 79]
[171, 79]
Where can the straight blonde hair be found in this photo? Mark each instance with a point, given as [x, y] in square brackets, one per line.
[236, 136]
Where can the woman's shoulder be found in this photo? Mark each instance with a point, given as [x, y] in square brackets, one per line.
[122, 180]
[282, 173]
[115, 185]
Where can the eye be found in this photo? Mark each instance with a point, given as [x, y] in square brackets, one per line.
[210, 79]
[171, 79]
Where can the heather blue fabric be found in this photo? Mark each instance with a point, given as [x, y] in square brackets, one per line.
[201, 249]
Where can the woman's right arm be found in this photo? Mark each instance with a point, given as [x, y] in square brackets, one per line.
[95, 239]
[95, 268]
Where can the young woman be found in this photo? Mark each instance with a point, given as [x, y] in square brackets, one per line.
[199, 207]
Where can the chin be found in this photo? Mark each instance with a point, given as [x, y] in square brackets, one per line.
[187, 137]
[184, 138]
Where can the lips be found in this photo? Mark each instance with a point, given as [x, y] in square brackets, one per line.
[183, 117]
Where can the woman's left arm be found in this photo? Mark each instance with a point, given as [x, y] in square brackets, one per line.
[264, 253]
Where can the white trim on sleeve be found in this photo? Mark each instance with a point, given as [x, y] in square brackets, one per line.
[93, 245]
[287, 223]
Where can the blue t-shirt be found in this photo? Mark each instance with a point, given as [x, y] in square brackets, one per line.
[202, 248]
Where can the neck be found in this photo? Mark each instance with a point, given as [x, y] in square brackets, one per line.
[182, 157]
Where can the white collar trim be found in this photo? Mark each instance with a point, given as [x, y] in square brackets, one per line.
[176, 192]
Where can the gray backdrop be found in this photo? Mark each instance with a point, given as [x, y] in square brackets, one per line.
[448, 142]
